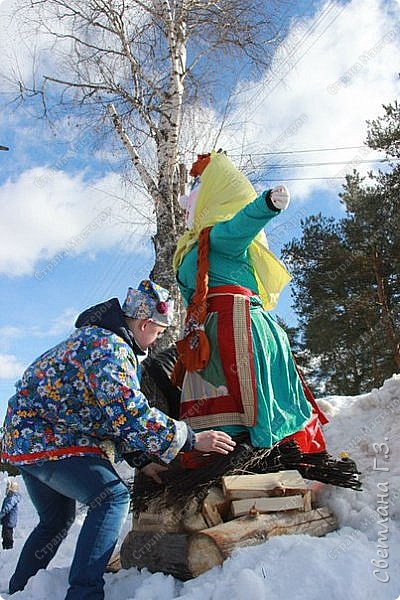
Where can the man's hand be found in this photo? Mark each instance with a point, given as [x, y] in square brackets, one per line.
[214, 441]
[152, 470]
[280, 197]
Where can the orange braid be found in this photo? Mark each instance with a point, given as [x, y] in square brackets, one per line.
[194, 348]
[200, 164]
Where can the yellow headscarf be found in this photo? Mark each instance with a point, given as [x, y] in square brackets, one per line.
[224, 190]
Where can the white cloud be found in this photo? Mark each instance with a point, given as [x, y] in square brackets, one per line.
[48, 215]
[63, 323]
[27, 50]
[58, 326]
[35, 41]
[19, 46]
[10, 332]
[10, 366]
[333, 72]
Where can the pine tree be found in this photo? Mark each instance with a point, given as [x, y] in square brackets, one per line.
[347, 275]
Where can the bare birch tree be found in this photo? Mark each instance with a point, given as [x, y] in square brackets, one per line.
[145, 64]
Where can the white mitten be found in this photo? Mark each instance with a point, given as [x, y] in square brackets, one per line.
[280, 197]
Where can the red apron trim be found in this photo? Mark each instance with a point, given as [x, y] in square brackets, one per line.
[209, 406]
[234, 337]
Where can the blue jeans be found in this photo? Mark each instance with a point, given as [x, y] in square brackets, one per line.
[54, 486]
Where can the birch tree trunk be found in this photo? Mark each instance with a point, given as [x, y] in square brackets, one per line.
[170, 222]
[131, 58]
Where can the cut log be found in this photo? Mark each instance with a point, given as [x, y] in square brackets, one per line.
[165, 521]
[157, 552]
[265, 505]
[187, 556]
[193, 523]
[211, 547]
[282, 483]
[192, 518]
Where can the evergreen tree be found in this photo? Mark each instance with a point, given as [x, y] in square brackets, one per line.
[347, 275]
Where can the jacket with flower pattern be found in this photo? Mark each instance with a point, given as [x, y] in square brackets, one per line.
[85, 391]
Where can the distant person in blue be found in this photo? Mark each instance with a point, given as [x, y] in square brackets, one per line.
[9, 514]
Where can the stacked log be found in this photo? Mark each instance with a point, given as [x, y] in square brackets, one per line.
[244, 511]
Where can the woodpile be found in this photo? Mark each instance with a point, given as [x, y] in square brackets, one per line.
[244, 510]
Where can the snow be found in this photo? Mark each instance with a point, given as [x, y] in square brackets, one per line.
[353, 562]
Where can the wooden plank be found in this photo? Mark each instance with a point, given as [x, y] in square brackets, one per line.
[237, 487]
[265, 505]
[211, 547]
[211, 514]
[307, 499]
[215, 498]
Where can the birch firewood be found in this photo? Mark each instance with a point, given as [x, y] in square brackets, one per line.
[211, 547]
[282, 483]
[265, 505]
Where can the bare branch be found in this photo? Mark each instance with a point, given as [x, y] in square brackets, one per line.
[144, 174]
[146, 63]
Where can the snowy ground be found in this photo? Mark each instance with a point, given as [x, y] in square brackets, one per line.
[360, 561]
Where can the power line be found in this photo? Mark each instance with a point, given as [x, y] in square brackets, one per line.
[283, 152]
[250, 154]
[327, 10]
[321, 164]
[303, 178]
[308, 33]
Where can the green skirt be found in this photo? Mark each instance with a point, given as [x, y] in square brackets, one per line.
[282, 408]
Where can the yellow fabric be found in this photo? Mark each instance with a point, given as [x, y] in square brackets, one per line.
[224, 190]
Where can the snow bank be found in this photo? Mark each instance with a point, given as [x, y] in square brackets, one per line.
[360, 561]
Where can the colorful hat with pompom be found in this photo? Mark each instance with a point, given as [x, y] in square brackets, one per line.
[149, 301]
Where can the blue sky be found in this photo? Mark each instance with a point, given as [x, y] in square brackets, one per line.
[67, 238]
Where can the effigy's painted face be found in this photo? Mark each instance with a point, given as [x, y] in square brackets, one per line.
[188, 203]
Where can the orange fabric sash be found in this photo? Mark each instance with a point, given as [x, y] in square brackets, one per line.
[194, 348]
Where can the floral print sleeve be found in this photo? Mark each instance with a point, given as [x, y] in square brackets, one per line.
[111, 375]
[81, 398]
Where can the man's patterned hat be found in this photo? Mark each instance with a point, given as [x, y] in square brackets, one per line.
[149, 301]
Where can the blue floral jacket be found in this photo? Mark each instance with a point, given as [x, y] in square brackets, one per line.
[84, 392]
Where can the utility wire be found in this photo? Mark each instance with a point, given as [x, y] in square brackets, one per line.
[286, 61]
[250, 154]
[233, 154]
[303, 178]
[321, 164]
[338, 13]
